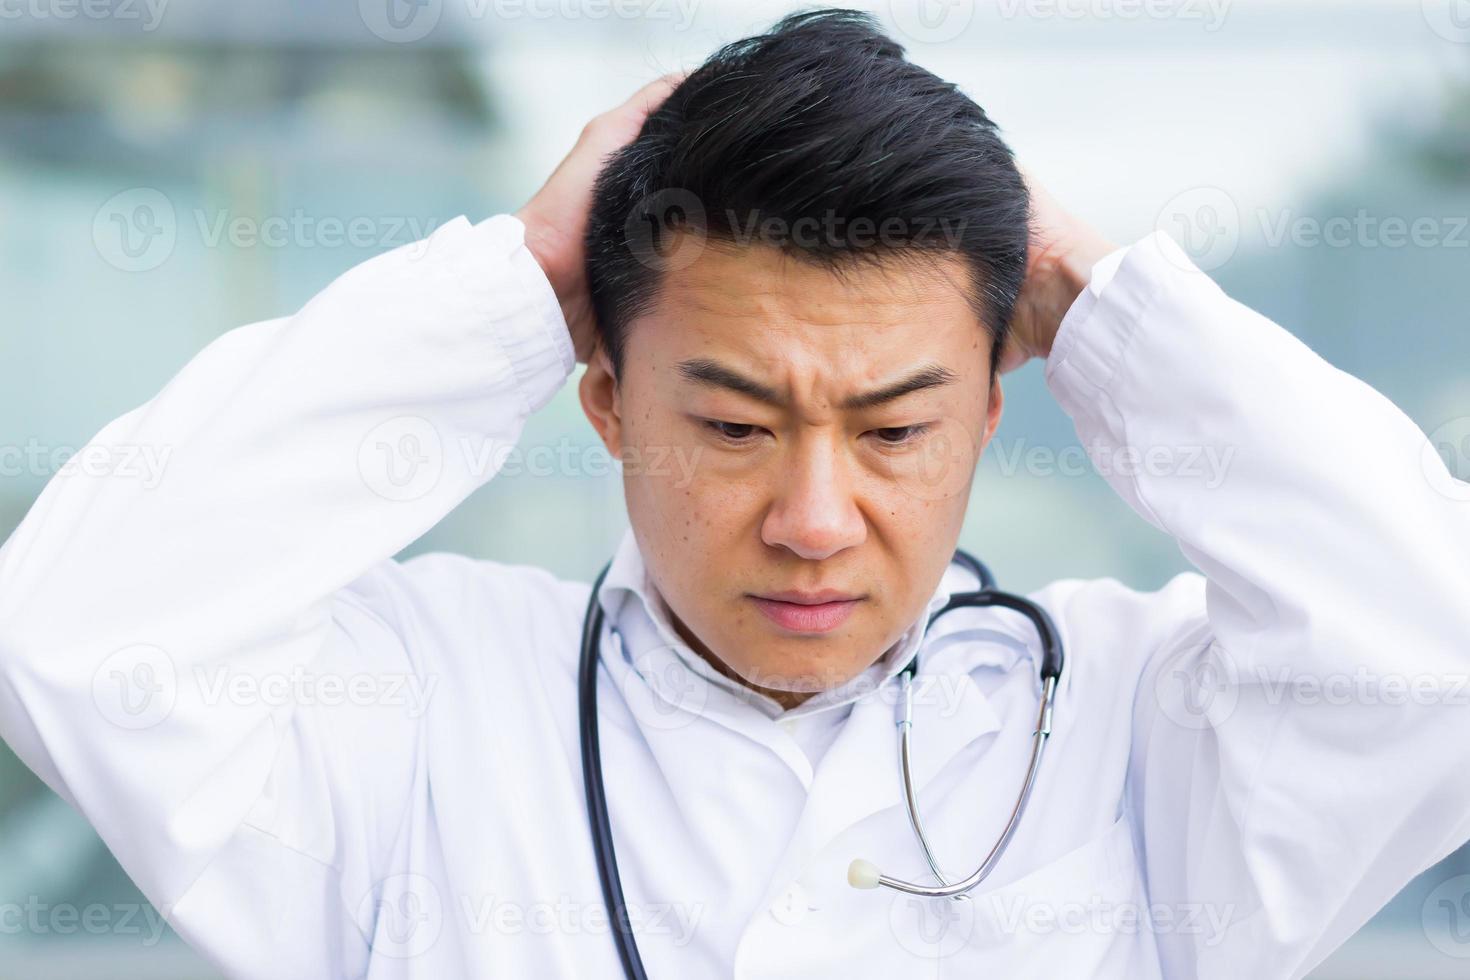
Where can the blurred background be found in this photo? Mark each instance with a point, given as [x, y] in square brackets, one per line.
[170, 169]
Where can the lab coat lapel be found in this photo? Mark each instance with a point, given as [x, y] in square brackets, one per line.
[859, 775]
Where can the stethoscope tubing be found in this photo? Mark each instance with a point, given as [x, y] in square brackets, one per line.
[599, 823]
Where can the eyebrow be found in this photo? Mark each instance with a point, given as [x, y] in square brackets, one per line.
[711, 373]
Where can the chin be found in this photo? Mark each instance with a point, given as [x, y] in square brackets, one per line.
[800, 675]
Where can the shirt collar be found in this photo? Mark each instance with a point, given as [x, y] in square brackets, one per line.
[630, 600]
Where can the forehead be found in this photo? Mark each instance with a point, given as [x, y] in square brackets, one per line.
[767, 306]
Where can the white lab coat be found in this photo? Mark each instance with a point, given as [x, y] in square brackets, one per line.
[167, 654]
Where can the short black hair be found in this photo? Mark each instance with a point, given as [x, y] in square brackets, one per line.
[802, 137]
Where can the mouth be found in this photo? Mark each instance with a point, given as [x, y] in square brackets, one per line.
[811, 612]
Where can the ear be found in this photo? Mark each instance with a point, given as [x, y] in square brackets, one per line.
[994, 405]
[601, 400]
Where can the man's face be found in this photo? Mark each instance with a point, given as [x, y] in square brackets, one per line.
[798, 450]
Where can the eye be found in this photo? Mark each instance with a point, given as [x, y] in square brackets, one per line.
[731, 431]
[898, 435]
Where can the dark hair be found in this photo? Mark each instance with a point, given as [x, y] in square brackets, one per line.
[820, 120]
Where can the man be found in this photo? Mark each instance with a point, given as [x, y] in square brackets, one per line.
[833, 384]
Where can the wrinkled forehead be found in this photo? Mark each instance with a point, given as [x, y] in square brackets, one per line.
[789, 319]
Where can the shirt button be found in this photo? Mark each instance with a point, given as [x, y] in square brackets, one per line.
[791, 906]
[788, 725]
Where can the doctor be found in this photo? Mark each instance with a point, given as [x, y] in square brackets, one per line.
[319, 762]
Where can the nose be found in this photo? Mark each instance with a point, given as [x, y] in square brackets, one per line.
[815, 512]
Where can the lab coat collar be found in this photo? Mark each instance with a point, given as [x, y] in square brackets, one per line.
[950, 709]
[634, 606]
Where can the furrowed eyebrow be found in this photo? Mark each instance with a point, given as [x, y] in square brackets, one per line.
[711, 373]
[932, 376]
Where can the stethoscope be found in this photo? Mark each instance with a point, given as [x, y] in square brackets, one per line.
[861, 874]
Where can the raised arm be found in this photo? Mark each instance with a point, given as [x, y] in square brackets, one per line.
[1299, 750]
[168, 652]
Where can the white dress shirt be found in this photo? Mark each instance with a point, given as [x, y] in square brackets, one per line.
[319, 762]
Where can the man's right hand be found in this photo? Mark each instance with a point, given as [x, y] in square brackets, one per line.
[556, 217]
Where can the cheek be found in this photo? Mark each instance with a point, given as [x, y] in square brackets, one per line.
[677, 496]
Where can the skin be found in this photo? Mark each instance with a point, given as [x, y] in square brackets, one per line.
[813, 483]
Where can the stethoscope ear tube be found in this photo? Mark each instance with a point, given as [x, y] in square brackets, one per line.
[597, 816]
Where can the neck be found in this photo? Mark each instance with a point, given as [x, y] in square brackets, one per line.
[786, 699]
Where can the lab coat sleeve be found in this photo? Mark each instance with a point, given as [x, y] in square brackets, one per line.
[1300, 742]
[159, 639]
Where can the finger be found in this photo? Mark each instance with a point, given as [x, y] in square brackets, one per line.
[650, 96]
[647, 99]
